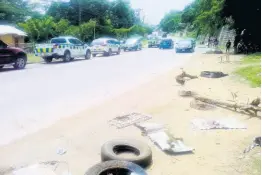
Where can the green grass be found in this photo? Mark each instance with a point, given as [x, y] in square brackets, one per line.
[252, 70]
[252, 58]
[256, 166]
[252, 74]
[31, 58]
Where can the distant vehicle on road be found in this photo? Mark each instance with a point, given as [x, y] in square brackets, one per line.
[12, 56]
[66, 48]
[166, 44]
[185, 45]
[153, 42]
[133, 44]
[105, 46]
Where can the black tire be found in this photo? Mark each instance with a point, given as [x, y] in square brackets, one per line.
[109, 53]
[20, 62]
[142, 152]
[93, 55]
[115, 167]
[88, 55]
[67, 56]
[118, 52]
[209, 74]
[48, 59]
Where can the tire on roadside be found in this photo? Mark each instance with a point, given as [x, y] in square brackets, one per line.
[67, 56]
[142, 154]
[118, 52]
[108, 167]
[20, 62]
[210, 74]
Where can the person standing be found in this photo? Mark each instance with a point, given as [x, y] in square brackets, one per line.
[228, 45]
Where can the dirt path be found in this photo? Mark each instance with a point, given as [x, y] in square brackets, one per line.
[216, 152]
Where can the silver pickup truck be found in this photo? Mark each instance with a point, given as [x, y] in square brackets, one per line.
[66, 48]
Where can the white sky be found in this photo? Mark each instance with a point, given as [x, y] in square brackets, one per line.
[155, 10]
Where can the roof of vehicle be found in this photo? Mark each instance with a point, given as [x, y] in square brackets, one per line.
[105, 39]
[65, 37]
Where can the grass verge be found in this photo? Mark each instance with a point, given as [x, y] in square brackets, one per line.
[251, 72]
[31, 58]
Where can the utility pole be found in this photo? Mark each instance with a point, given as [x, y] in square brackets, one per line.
[95, 31]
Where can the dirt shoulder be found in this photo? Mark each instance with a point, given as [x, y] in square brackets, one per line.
[216, 152]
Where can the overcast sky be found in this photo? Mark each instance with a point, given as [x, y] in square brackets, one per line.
[155, 9]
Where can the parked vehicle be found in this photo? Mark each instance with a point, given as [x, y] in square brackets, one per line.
[133, 44]
[186, 45]
[66, 48]
[12, 56]
[153, 42]
[166, 44]
[105, 46]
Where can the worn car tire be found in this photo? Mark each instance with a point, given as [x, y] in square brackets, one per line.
[48, 59]
[209, 74]
[20, 62]
[88, 55]
[142, 152]
[67, 56]
[102, 168]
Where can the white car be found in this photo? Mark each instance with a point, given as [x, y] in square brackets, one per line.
[66, 48]
[105, 46]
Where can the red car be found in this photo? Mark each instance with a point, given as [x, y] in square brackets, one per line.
[12, 56]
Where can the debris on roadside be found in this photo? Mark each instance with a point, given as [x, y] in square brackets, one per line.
[208, 124]
[201, 105]
[186, 93]
[129, 119]
[43, 168]
[61, 151]
[248, 108]
[256, 142]
[165, 141]
[180, 79]
[212, 74]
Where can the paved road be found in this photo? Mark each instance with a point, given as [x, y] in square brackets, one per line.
[44, 93]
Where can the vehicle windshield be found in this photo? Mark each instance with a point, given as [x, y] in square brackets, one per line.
[131, 41]
[184, 42]
[98, 42]
[58, 41]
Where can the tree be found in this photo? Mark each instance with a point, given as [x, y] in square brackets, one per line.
[11, 11]
[39, 29]
[171, 22]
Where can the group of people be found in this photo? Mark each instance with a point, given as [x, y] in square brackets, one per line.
[212, 42]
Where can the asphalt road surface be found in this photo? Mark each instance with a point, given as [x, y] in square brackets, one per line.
[41, 94]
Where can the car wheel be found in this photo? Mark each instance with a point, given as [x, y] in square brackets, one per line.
[93, 55]
[141, 152]
[88, 55]
[109, 53]
[115, 167]
[67, 56]
[118, 52]
[20, 62]
[48, 59]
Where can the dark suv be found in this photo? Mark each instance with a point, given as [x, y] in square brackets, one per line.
[12, 55]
